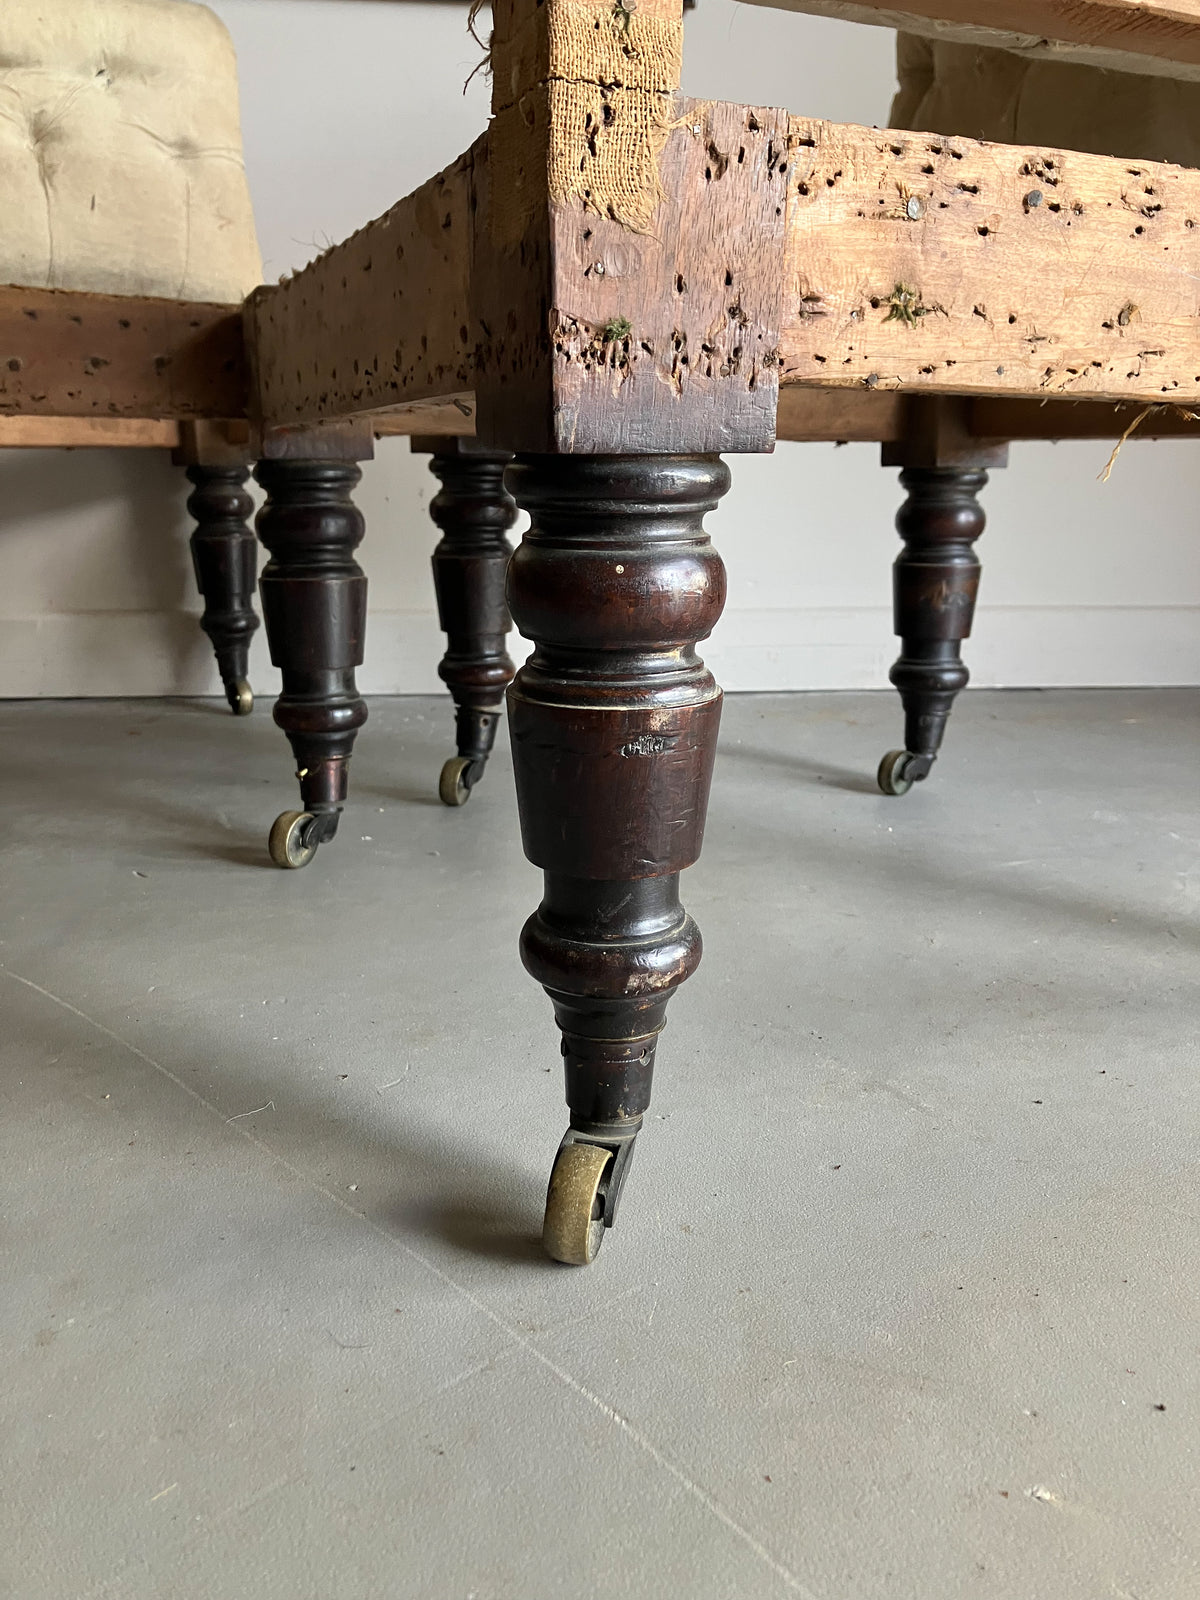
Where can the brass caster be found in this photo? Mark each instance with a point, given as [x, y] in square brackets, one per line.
[241, 698]
[891, 775]
[573, 1230]
[286, 841]
[454, 787]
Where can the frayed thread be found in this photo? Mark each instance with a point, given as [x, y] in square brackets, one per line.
[1190, 416]
[484, 66]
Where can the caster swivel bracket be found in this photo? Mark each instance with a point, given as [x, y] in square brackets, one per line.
[612, 1184]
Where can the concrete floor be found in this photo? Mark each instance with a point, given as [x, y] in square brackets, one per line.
[902, 1304]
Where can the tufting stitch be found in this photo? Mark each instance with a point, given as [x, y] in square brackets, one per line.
[120, 151]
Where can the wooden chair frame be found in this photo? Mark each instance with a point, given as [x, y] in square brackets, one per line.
[112, 371]
[616, 285]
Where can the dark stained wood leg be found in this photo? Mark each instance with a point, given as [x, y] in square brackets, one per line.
[936, 577]
[614, 728]
[225, 558]
[314, 600]
[474, 512]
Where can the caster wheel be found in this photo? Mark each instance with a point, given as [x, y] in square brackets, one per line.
[453, 787]
[286, 841]
[890, 777]
[573, 1230]
[241, 698]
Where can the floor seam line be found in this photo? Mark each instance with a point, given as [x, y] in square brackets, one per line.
[239, 1507]
[560, 1374]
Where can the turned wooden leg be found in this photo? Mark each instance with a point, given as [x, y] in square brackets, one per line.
[936, 577]
[225, 558]
[314, 600]
[474, 512]
[614, 727]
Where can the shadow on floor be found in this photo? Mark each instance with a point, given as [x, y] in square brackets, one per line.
[446, 1192]
[804, 768]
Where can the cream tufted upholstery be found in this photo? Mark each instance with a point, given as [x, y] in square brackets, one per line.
[120, 151]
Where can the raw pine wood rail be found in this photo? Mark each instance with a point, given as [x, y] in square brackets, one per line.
[934, 264]
[788, 251]
[67, 354]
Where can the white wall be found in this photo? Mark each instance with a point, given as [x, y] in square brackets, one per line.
[348, 104]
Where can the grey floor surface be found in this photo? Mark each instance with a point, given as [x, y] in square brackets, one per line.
[903, 1300]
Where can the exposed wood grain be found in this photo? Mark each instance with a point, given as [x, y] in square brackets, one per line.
[511, 281]
[1082, 419]
[834, 416]
[225, 443]
[882, 416]
[906, 262]
[81, 433]
[945, 265]
[603, 340]
[380, 320]
[669, 341]
[935, 432]
[452, 418]
[879, 416]
[340, 440]
[65, 354]
[1153, 36]
[516, 275]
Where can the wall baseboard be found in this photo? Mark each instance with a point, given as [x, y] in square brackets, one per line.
[114, 653]
[1025, 647]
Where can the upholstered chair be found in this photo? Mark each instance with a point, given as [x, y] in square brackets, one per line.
[121, 176]
[128, 244]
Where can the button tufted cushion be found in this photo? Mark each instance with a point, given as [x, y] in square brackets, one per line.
[994, 94]
[120, 151]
